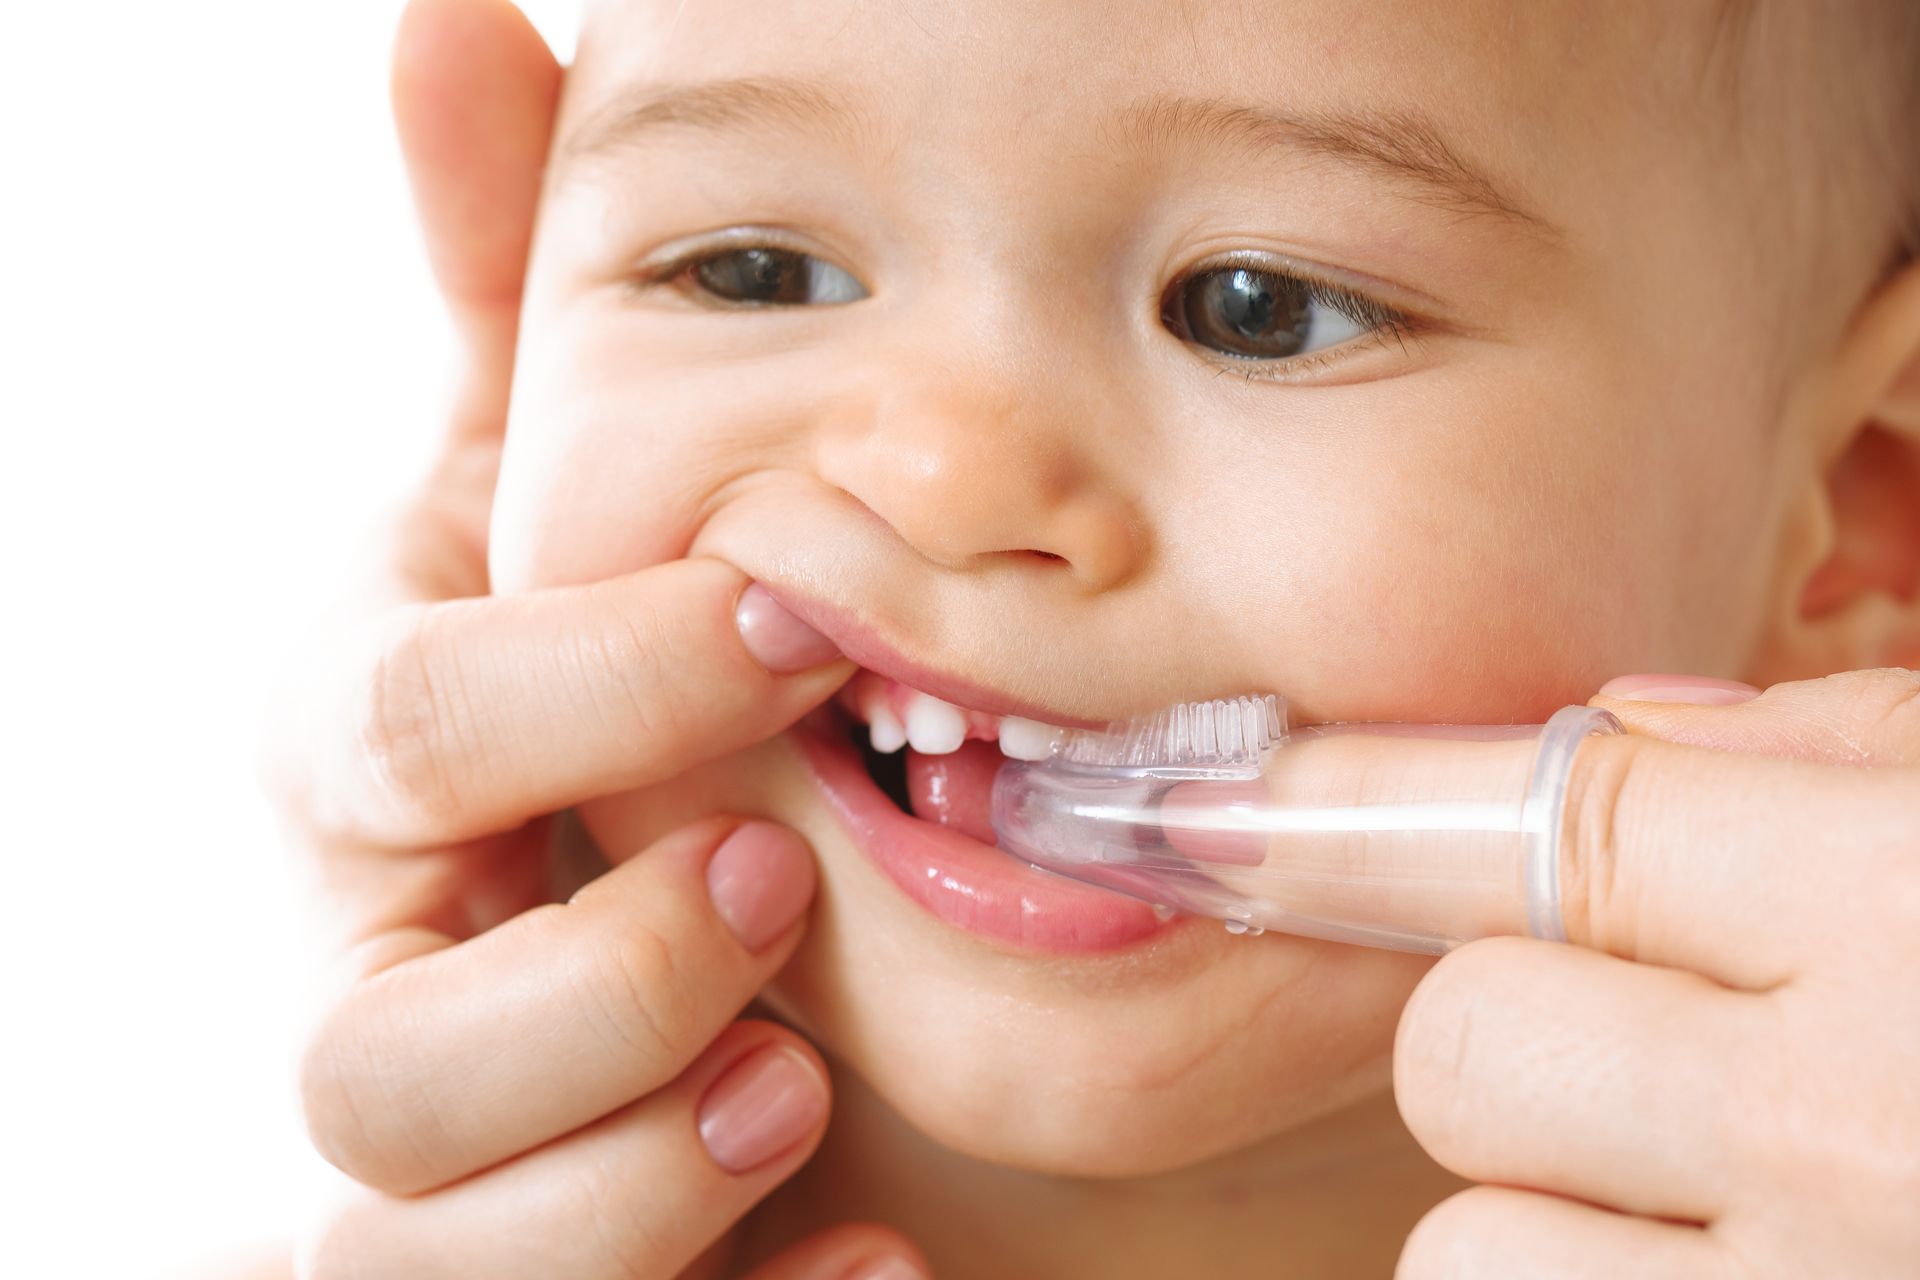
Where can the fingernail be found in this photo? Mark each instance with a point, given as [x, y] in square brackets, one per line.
[892, 1267]
[762, 1106]
[1704, 691]
[760, 879]
[778, 640]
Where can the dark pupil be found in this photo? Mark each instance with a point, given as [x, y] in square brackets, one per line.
[1245, 313]
[756, 275]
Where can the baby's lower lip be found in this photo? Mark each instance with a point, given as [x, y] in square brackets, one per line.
[963, 881]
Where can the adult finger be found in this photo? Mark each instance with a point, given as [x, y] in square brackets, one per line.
[453, 1057]
[1855, 717]
[475, 90]
[640, 1193]
[1503, 1233]
[1744, 868]
[1509, 1068]
[444, 722]
[857, 1251]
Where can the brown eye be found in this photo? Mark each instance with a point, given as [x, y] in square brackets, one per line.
[1261, 315]
[765, 276]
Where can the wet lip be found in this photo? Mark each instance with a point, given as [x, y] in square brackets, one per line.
[965, 883]
[858, 640]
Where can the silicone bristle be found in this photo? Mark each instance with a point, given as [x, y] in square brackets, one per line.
[1227, 733]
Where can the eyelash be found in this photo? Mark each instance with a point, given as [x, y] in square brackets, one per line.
[1382, 323]
[677, 270]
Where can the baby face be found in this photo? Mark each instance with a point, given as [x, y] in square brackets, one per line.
[1066, 360]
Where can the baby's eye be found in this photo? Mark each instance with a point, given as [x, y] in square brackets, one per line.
[1266, 315]
[766, 276]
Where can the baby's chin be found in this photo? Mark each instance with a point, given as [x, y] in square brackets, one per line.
[1122, 1062]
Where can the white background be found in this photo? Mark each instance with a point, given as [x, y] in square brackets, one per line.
[220, 354]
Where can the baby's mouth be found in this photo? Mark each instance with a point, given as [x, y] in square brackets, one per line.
[921, 808]
[921, 805]
[932, 758]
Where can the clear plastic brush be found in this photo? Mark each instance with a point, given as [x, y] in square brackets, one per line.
[1412, 837]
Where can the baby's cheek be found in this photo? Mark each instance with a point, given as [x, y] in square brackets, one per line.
[604, 472]
[1450, 589]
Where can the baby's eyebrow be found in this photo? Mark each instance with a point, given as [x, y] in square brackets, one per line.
[1401, 144]
[715, 106]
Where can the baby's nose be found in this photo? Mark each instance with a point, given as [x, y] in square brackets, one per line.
[969, 474]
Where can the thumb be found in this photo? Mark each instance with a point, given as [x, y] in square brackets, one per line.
[1856, 717]
[475, 90]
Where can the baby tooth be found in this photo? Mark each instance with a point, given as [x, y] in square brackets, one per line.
[1024, 739]
[885, 731]
[935, 728]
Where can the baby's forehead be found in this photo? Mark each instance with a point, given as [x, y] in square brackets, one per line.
[1313, 40]
[1500, 73]
[1485, 100]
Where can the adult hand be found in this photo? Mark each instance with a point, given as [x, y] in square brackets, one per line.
[521, 1087]
[1723, 1078]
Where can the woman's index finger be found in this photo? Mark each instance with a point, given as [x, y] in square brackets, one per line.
[1735, 866]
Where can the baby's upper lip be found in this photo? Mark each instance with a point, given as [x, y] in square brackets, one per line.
[860, 641]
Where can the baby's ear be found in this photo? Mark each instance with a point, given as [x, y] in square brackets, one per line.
[1851, 590]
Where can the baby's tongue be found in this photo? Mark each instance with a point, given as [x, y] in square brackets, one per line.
[956, 790]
